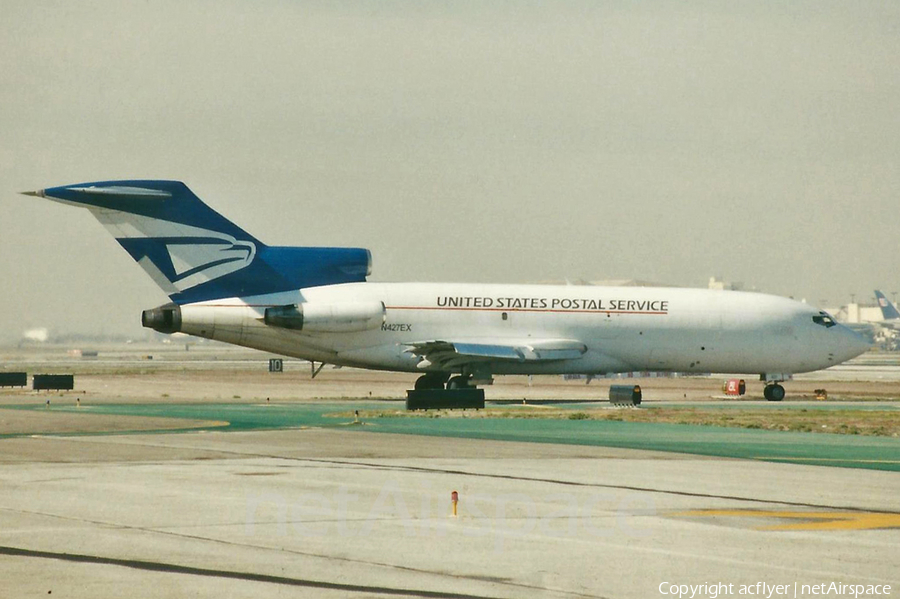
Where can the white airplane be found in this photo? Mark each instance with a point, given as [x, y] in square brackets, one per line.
[315, 304]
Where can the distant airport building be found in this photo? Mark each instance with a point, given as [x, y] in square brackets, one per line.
[856, 313]
[40, 335]
[722, 285]
[607, 283]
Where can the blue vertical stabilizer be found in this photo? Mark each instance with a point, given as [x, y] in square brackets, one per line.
[194, 253]
[888, 309]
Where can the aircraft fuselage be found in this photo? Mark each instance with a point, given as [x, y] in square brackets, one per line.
[621, 328]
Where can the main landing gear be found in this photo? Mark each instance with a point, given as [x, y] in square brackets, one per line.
[438, 391]
[459, 382]
[432, 380]
[439, 380]
[773, 392]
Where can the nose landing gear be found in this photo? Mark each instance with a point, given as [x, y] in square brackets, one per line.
[773, 392]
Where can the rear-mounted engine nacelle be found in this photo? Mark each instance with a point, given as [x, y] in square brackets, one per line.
[165, 319]
[223, 321]
[312, 317]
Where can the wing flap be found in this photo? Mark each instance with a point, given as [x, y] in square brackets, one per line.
[482, 350]
[448, 354]
[558, 354]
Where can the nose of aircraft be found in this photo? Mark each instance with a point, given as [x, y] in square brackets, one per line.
[850, 344]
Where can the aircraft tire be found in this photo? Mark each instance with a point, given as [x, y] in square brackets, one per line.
[429, 381]
[774, 392]
[458, 382]
[777, 392]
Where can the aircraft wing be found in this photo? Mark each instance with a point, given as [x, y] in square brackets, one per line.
[450, 354]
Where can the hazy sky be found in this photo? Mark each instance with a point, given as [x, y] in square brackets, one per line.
[460, 141]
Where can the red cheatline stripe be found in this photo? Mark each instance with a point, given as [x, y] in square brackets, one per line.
[523, 310]
[463, 309]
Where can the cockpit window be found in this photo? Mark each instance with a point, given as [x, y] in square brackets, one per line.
[823, 319]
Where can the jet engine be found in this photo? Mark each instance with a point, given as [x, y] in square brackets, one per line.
[313, 317]
[165, 319]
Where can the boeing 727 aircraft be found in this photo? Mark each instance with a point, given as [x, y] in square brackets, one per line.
[315, 304]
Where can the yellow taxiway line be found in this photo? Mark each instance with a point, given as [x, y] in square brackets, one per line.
[810, 520]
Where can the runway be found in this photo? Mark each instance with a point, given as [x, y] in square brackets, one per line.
[233, 496]
[332, 513]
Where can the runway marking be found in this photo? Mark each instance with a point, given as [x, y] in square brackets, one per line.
[573, 483]
[494, 475]
[810, 520]
[283, 580]
[347, 559]
[805, 459]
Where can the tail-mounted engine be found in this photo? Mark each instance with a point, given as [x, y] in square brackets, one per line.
[312, 317]
[165, 319]
[227, 322]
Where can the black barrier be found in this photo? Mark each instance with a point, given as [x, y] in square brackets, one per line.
[444, 399]
[43, 382]
[13, 379]
[625, 395]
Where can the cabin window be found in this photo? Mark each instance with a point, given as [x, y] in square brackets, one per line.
[505, 316]
[823, 319]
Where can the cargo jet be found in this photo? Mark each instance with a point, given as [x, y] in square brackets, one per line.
[315, 304]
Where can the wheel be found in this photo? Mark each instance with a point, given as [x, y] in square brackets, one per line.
[458, 382]
[430, 381]
[776, 392]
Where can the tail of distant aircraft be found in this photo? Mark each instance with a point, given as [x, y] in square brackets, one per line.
[888, 309]
[194, 253]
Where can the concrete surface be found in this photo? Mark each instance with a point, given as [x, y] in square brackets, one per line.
[331, 513]
[339, 512]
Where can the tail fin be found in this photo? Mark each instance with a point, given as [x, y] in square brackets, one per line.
[194, 253]
[888, 310]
